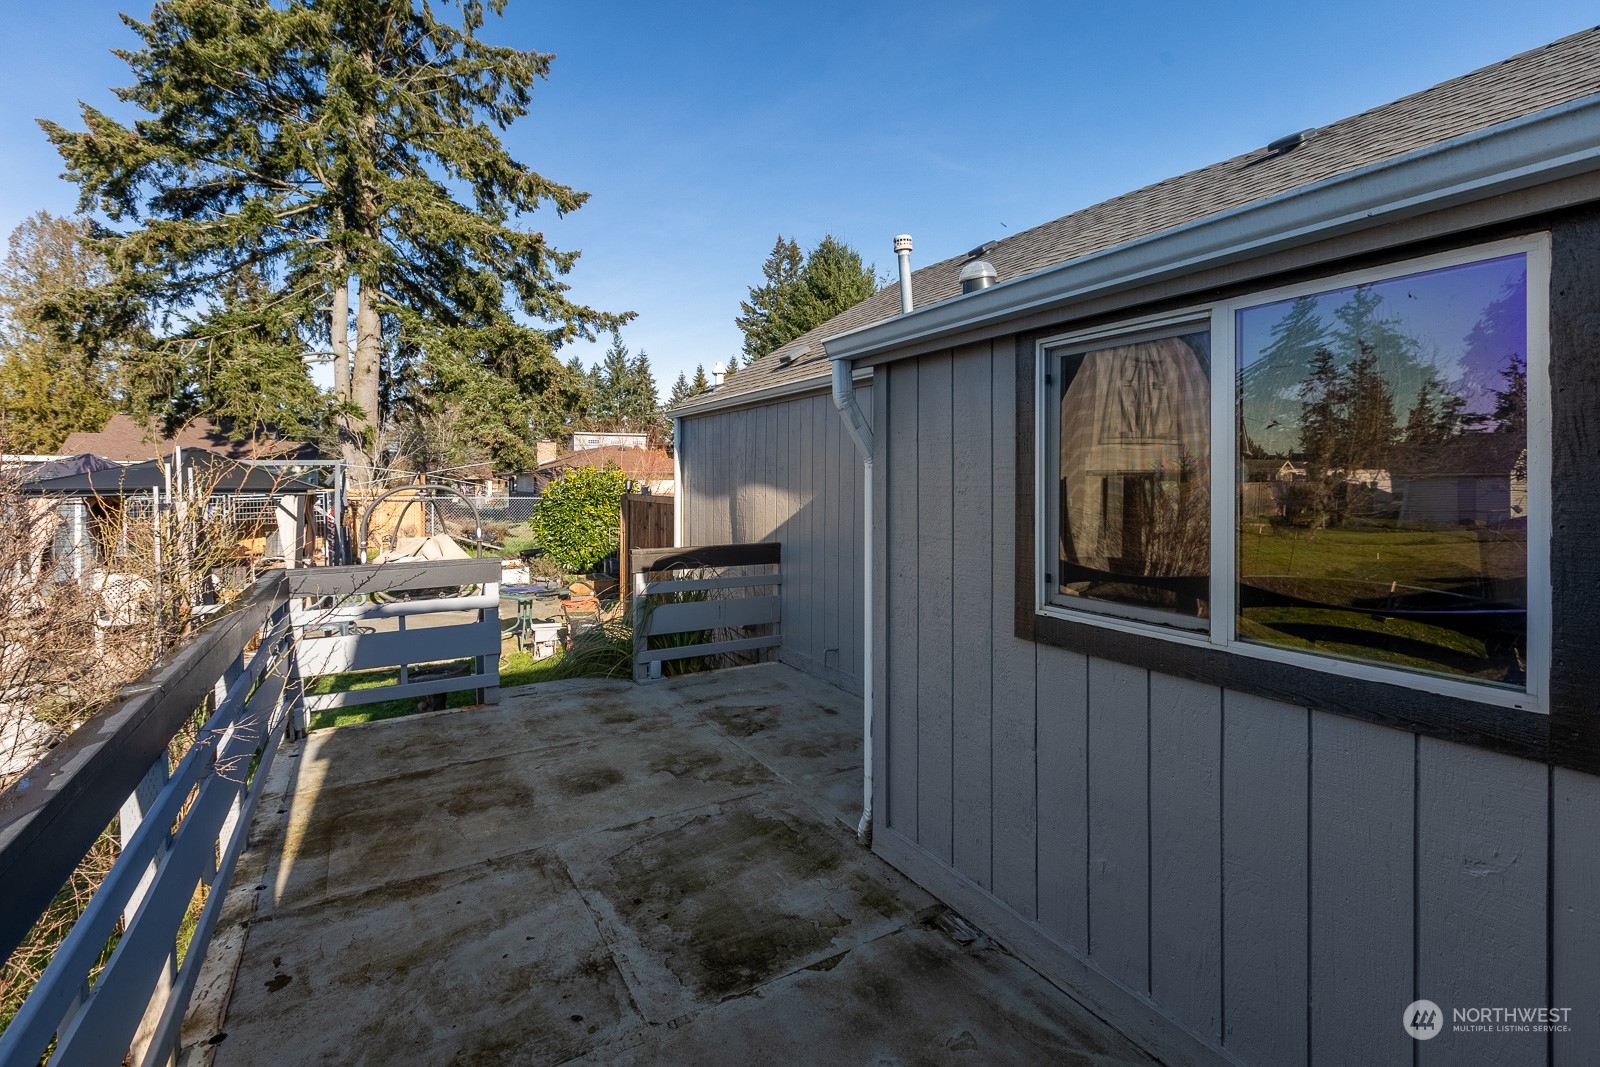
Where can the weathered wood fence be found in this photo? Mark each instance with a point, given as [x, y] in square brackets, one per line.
[646, 523]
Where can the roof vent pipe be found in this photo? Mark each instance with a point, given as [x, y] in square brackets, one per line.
[977, 274]
[902, 250]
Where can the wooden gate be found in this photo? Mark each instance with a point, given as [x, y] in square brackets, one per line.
[646, 523]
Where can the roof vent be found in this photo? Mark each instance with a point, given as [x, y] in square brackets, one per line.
[1289, 142]
[790, 355]
[977, 274]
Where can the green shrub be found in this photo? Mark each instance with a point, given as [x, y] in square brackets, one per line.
[578, 515]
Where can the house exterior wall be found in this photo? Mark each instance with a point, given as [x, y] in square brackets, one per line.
[1227, 877]
[787, 472]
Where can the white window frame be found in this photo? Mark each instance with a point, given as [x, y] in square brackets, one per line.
[1220, 631]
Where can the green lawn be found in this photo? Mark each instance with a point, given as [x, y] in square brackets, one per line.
[1381, 555]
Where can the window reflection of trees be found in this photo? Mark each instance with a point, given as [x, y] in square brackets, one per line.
[1361, 437]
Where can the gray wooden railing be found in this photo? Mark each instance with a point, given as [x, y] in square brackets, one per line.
[186, 825]
[680, 591]
[343, 601]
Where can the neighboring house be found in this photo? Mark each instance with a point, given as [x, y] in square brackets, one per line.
[526, 483]
[284, 521]
[650, 470]
[127, 440]
[265, 508]
[1249, 797]
[618, 439]
[1473, 478]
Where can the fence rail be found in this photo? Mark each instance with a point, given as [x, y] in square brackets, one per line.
[186, 826]
[691, 614]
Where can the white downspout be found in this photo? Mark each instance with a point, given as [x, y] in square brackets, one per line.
[844, 398]
[679, 498]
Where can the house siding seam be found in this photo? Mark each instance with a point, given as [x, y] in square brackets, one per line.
[785, 473]
[1231, 878]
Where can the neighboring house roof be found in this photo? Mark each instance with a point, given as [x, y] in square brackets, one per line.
[127, 440]
[1534, 81]
[641, 465]
[1467, 455]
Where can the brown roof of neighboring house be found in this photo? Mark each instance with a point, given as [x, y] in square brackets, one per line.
[1533, 81]
[638, 464]
[126, 439]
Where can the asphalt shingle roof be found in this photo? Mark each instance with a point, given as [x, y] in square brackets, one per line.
[125, 438]
[1533, 81]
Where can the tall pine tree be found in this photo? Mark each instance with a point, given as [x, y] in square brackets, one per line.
[801, 293]
[763, 318]
[347, 152]
[50, 385]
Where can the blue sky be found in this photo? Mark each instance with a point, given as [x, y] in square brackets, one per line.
[703, 130]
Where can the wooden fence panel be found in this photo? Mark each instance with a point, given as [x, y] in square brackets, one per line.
[646, 523]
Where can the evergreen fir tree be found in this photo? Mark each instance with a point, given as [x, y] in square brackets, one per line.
[611, 378]
[1365, 329]
[1510, 412]
[699, 383]
[1369, 422]
[644, 402]
[1267, 385]
[681, 391]
[834, 280]
[762, 318]
[51, 384]
[1321, 414]
[1422, 424]
[801, 293]
[321, 143]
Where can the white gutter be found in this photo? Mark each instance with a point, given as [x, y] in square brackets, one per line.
[679, 498]
[717, 401]
[1536, 149]
[844, 398]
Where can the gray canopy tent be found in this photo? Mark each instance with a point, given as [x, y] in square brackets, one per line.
[185, 478]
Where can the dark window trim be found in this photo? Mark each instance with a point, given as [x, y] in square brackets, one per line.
[1569, 735]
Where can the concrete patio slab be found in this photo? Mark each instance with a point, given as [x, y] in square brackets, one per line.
[604, 873]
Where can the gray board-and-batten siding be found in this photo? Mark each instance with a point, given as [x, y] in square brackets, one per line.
[1229, 878]
[787, 472]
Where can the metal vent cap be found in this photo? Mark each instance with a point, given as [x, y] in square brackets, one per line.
[977, 274]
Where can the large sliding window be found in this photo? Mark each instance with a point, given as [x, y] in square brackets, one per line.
[1365, 492]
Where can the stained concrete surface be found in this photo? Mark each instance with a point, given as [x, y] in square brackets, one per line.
[600, 872]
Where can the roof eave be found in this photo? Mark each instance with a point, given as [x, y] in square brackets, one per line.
[795, 387]
[1545, 146]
